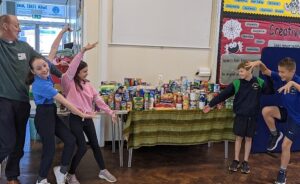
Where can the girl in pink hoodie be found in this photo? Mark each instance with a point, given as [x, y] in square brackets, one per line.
[79, 91]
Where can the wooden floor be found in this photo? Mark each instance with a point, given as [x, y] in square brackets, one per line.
[168, 165]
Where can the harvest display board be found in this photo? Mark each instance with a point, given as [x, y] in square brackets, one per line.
[248, 26]
[243, 40]
[285, 8]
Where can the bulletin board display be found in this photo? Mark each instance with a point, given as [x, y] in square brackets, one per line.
[282, 8]
[244, 39]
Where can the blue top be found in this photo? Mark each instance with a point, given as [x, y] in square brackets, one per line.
[43, 90]
[290, 100]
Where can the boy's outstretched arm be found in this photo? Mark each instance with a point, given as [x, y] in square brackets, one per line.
[226, 93]
[263, 68]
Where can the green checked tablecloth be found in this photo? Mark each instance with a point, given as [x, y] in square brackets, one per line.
[177, 127]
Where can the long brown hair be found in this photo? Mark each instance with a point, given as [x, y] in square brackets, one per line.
[30, 76]
[77, 80]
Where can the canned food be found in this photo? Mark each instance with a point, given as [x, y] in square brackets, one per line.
[110, 101]
[179, 99]
[185, 106]
[216, 88]
[129, 106]
[146, 96]
[111, 105]
[186, 97]
[127, 82]
[201, 105]
[138, 103]
[123, 105]
[151, 103]
[210, 96]
[211, 87]
[139, 81]
[179, 106]
[193, 107]
[202, 97]
[135, 82]
[192, 96]
[193, 103]
[156, 98]
[117, 105]
[118, 99]
[105, 98]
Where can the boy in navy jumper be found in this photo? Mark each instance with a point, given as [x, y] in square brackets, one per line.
[289, 89]
[247, 91]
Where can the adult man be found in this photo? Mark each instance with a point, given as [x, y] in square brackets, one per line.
[14, 97]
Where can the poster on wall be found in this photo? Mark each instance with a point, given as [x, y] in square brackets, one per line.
[244, 39]
[284, 8]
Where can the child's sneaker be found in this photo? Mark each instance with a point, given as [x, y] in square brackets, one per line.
[105, 174]
[281, 177]
[44, 181]
[274, 140]
[60, 177]
[234, 166]
[245, 168]
[71, 179]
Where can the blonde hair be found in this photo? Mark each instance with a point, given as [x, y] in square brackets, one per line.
[243, 65]
[288, 63]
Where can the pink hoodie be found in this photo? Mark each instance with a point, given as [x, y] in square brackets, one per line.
[82, 99]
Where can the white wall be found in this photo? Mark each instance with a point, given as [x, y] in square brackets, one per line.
[114, 62]
[91, 20]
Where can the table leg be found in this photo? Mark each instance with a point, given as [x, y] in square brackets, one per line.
[209, 144]
[113, 137]
[121, 139]
[130, 157]
[226, 148]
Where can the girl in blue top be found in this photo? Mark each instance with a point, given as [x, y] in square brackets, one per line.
[48, 123]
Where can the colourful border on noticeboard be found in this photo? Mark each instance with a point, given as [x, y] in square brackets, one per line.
[283, 8]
